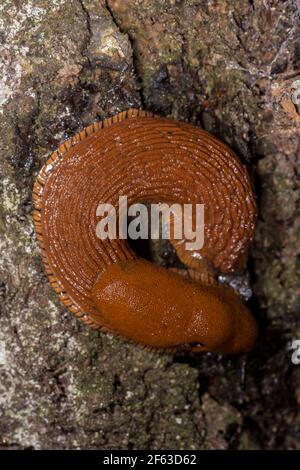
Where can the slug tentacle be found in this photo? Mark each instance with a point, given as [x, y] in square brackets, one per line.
[153, 159]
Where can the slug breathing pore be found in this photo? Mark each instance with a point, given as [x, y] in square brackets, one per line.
[102, 281]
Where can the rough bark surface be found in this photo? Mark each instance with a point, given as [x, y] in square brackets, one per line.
[227, 66]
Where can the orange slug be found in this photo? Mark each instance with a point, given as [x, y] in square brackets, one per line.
[149, 159]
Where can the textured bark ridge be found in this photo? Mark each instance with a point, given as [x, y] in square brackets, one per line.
[229, 67]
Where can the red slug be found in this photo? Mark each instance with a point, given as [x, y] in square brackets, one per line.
[149, 159]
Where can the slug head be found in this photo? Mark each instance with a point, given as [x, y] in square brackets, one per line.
[152, 306]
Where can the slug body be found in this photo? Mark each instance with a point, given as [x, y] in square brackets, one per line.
[149, 159]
